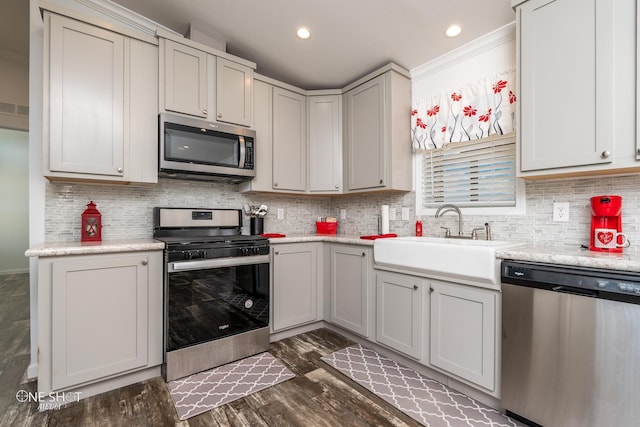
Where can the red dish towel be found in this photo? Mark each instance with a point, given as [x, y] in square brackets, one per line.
[379, 236]
[271, 235]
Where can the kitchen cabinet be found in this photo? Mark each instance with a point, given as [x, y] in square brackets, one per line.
[349, 282]
[200, 81]
[399, 312]
[100, 120]
[575, 113]
[295, 285]
[289, 140]
[186, 81]
[98, 317]
[234, 94]
[325, 143]
[377, 140]
[263, 150]
[464, 332]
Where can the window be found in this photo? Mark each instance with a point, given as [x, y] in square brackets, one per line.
[472, 174]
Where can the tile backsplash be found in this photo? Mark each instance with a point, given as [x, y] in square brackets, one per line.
[127, 211]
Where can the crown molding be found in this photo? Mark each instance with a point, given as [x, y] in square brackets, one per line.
[500, 36]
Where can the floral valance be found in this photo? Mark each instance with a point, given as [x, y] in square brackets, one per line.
[473, 111]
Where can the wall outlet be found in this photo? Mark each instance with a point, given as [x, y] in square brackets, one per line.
[392, 214]
[561, 212]
[280, 213]
[405, 214]
[343, 214]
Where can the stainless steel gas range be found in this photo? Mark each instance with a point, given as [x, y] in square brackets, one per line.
[216, 284]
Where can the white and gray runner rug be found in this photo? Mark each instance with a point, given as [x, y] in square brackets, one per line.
[425, 400]
[207, 390]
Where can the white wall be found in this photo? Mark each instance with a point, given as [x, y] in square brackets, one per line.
[14, 203]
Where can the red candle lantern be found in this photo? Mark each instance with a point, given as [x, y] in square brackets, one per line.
[91, 224]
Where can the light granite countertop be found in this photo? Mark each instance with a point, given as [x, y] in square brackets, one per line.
[87, 248]
[352, 239]
[574, 255]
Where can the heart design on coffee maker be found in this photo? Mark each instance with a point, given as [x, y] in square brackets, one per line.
[605, 237]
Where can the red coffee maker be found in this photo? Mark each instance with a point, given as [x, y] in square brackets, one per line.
[606, 223]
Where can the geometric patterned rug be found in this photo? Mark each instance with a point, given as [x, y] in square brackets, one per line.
[425, 400]
[206, 390]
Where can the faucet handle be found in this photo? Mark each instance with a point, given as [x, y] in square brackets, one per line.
[474, 232]
[447, 232]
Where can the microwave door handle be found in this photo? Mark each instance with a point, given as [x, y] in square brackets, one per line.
[243, 148]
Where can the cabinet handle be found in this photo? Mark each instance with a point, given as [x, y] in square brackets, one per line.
[145, 262]
[381, 181]
[363, 254]
[277, 252]
[638, 151]
[337, 186]
[275, 184]
[415, 287]
[219, 115]
[120, 170]
[430, 289]
[605, 154]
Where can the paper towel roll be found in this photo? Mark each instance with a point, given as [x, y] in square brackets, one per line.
[385, 219]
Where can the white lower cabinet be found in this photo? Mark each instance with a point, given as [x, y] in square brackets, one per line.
[100, 316]
[295, 285]
[464, 332]
[350, 272]
[399, 322]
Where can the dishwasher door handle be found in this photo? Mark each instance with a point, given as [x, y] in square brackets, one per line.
[576, 291]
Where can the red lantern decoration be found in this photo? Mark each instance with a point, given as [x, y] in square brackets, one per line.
[91, 224]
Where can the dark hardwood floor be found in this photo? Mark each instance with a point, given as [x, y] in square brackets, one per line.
[317, 396]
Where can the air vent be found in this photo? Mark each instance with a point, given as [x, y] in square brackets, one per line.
[13, 109]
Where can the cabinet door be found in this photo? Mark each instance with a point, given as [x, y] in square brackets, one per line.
[566, 68]
[325, 143]
[294, 285]
[263, 147]
[289, 140]
[234, 93]
[399, 312]
[365, 145]
[349, 284]
[99, 318]
[185, 85]
[86, 99]
[463, 332]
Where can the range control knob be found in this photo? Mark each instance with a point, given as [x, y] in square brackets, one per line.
[256, 250]
[244, 251]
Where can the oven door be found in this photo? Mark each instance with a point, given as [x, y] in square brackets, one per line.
[215, 298]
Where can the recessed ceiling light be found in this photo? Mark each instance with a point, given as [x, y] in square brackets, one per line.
[453, 31]
[303, 33]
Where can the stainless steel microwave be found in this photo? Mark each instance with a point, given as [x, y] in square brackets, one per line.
[192, 148]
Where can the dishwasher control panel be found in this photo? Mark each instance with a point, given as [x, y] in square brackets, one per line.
[586, 281]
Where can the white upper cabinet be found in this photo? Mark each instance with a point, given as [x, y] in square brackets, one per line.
[185, 79]
[576, 65]
[197, 81]
[289, 140]
[100, 115]
[325, 143]
[377, 141]
[234, 94]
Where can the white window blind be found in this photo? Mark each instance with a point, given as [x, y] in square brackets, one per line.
[478, 173]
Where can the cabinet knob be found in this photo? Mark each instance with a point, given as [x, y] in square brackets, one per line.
[337, 186]
[145, 262]
[430, 289]
[275, 184]
[219, 115]
[277, 252]
[363, 254]
[204, 112]
[381, 181]
[120, 170]
[605, 154]
[638, 151]
[415, 287]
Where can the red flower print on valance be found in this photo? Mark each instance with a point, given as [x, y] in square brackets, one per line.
[472, 111]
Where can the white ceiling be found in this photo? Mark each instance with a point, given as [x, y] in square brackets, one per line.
[349, 37]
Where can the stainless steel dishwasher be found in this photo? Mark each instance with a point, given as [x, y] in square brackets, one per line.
[570, 345]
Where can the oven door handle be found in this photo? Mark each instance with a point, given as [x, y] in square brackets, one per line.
[216, 263]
